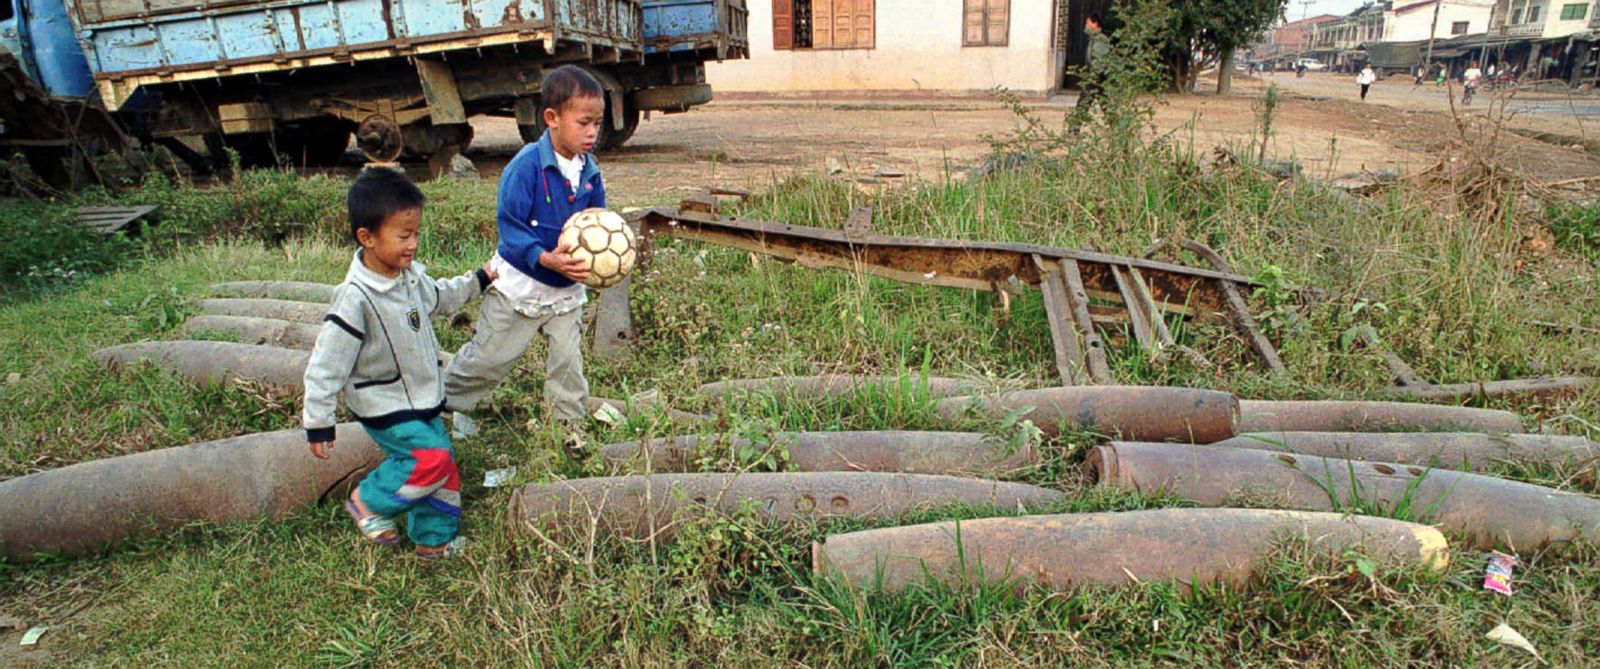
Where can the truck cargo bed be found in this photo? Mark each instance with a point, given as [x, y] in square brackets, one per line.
[135, 42]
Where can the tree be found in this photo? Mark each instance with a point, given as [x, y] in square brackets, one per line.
[1230, 24]
[1212, 30]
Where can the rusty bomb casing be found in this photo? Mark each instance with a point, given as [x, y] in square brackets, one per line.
[1341, 416]
[277, 290]
[258, 331]
[639, 506]
[1466, 451]
[952, 453]
[1131, 412]
[82, 508]
[828, 386]
[283, 310]
[215, 361]
[1184, 547]
[1488, 511]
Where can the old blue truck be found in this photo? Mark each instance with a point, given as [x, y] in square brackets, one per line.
[295, 79]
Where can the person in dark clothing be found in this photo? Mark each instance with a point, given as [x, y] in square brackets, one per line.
[1090, 92]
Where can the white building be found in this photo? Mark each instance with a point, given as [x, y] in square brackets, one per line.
[1414, 21]
[1541, 18]
[905, 45]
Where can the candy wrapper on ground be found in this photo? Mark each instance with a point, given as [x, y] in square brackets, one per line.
[1498, 576]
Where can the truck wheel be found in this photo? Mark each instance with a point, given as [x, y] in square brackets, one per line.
[672, 98]
[610, 138]
[531, 132]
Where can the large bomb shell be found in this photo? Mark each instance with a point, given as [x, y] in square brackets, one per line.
[1337, 416]
[828, 386]
[277, 290]
[954, 453]
[259, 331]
[1130, 412]
[283, 310]
[1490, 511]
[1466, 451]
[84, 507]
[1184, 547]
[215, 361]
[640, 506]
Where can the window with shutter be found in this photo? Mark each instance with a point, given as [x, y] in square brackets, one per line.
[782, 24]
[986, 22]
[822, 24]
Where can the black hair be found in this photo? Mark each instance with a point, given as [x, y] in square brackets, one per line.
[1098, 17]
[563, 84]
[377, 194]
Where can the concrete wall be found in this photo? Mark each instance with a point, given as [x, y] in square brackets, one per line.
[1414, 25]
[918, 48]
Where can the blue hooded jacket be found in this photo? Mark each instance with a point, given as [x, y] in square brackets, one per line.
[536, 201]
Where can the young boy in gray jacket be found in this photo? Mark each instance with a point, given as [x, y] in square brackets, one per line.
[377, 346]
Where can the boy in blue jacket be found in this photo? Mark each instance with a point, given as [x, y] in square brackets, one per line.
[538, 287]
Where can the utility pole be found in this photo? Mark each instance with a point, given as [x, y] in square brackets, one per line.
[1305, 31]
[1427, 61]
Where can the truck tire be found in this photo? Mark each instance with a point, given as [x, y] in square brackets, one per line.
[610, 138]
[530, 132]
[672, 98]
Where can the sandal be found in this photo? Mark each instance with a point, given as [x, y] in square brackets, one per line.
[375, 528]
[456, 547]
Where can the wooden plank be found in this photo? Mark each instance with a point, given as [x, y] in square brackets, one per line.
[110, 220]
[1142, 288]
[1078, 300]
[1069, 353]
[1238, 309]
[822, 24]
[1143, 329]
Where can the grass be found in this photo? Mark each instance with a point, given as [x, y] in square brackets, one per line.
[1453, 294]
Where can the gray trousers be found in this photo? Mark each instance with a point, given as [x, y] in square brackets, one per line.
[503, 334]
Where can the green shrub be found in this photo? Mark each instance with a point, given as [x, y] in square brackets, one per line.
[45, 245]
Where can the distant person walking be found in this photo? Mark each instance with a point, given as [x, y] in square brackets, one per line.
[1422, 72]
[1365, 79]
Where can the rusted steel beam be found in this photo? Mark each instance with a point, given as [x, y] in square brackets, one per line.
[827, 386]
[284, 310]
[1544, 388]
[952, 453]
[85, 507]
[1182, 547]
[259, 331]
[1489, 511]
[277, 290]
[1467, 451]
[215, 361]
[1337, 416]
[645, 506]
[938, 262]
[1132, 412]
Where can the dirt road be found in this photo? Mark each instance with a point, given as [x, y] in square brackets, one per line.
[753, 144]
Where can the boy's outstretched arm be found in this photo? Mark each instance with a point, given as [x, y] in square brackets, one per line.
[453, 293]
[333, 358]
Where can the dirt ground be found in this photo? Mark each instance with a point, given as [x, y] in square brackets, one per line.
[754, 143]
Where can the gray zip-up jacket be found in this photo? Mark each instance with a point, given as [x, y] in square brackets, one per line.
[377, 345]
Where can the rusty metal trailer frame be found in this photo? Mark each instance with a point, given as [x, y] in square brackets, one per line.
[1146, 289]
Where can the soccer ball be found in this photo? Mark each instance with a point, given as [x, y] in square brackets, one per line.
[604, 241]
